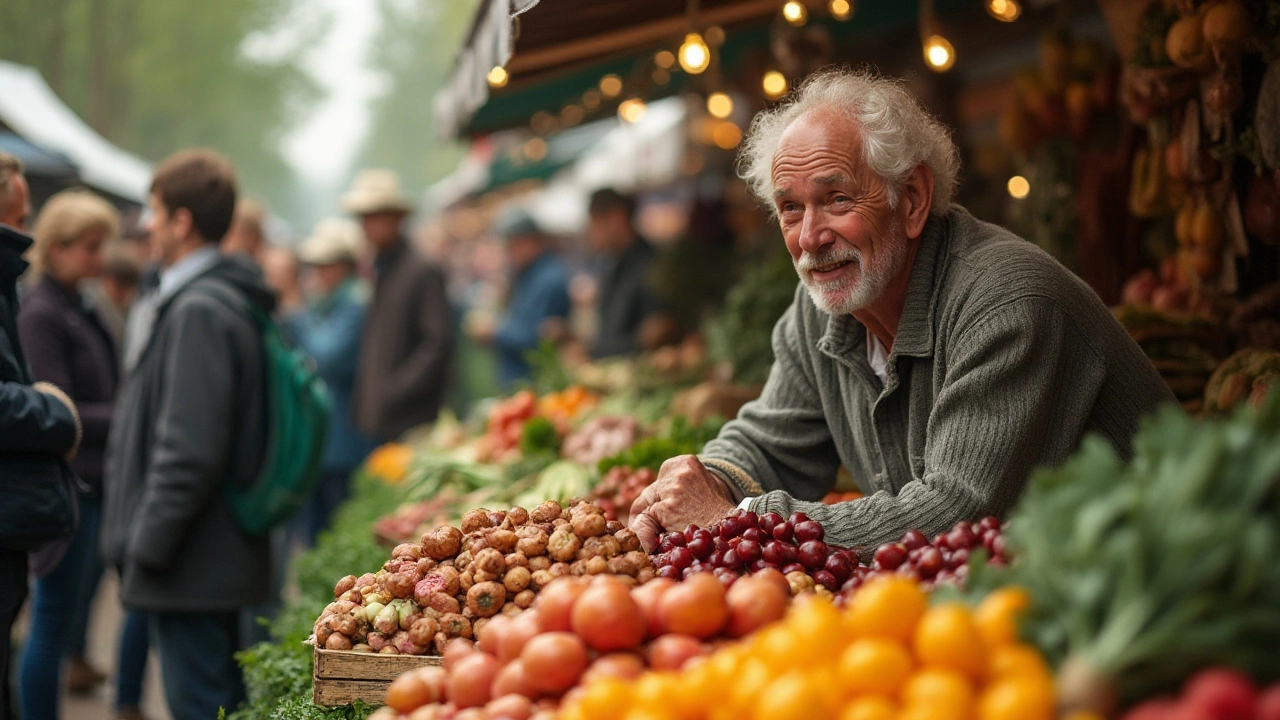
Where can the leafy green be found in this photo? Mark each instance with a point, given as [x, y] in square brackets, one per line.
[1150, 569]
[548, 371]
[539, 435]
[680, 438]
[743, 334]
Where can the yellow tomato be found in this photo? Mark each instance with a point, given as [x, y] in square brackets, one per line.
[947, 637]
[938, 693]
[875, 666]
[887, 607]
[997, 615]
[1018, 660]
[754, 676]
[603, 698]
[791, 697]
[870, 707]
[1021, 697]
[817, 626]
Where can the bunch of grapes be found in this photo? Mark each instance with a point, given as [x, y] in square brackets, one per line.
[944, 560]
[745, 543]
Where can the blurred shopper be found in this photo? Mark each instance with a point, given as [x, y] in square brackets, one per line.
[68, 345]
[538, 302]
[191, 420]
[248, 234]
[628, 313]
[39, 429]
[328, 330]
[408, 335]
[280, 267]
[113, 294]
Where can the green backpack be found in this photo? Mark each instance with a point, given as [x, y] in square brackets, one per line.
[298, 410]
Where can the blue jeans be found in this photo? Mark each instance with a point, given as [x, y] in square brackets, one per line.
[197, 654]
[131, 667]
[89, 578]
[53, 604]
[13, 592]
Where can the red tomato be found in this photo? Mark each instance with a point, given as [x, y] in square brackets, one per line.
[607, 618]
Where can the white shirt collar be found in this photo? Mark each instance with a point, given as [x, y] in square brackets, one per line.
[878, 357]
[174, 277]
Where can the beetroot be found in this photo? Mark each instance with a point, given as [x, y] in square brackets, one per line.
[344, 586]
[1222, 693]
[377, 641]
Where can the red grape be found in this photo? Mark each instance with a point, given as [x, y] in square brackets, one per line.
[749, 551]
[839, 567]
[677, 539]
[989, 522]
[891, 557]
[797, 518]
[755, 534]
[731, 560]
[791, 567]
[826, 580]
[961, 538]
[670, 571]
[748, 521]
[931, 562]
[940, 542]
[717, 559]
[681, 557]
[914, 539]
[701, 546]
[813, 555]
[689, 531]
[958, 558]
[783, 532]
[808, 530]
[769, 521]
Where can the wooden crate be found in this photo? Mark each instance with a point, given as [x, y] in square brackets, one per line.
[342, 677]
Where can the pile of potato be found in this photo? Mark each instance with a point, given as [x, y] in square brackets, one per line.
[450, 583]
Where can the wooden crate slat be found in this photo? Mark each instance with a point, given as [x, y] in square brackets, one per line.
[333, 692]
[347, 665]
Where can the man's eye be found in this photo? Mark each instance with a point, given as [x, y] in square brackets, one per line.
[790, 207]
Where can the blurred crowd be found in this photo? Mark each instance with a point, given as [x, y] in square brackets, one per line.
[133, 394]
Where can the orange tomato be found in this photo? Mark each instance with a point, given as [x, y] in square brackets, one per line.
[887, 607]
[997, 615]
[938, 693]
[1022, 697]
[875, 666]
[871, 707]
[791, 697]
[1009, 660]
[947, 637]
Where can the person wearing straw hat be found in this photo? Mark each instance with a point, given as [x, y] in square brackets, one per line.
[408, 335]
[328, 329]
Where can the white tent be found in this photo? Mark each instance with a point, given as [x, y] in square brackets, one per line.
[31, 109]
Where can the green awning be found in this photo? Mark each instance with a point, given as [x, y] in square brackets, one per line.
[561, 150]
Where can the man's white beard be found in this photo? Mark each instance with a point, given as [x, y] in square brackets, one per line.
[860, 286]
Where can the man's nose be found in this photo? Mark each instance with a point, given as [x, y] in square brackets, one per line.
[814, 233]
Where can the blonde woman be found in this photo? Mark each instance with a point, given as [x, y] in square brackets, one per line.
[67, 344]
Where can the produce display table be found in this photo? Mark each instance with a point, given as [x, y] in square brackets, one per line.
[343, 677]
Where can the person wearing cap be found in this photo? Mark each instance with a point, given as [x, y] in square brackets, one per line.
[328, 329]
[538, 297]
[627, 305]
[408, 335]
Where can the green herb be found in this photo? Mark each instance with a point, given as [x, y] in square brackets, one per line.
[680, 438]
[743, 334]
[539, 435]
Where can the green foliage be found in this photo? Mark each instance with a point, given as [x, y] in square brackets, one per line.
[539, 435]
[680, 438]
[548, 371]
[154, 76]
[1148, 570]
[743, 334]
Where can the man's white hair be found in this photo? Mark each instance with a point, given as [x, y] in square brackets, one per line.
[897, 133]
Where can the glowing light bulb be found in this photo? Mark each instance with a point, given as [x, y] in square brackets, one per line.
[719, 105]
[611, 86]
[664, 59]
[497, 77]
[795, 13]
[1004, 10]
[726, 135]
[571, 115]
[535, 149]
[1018, 187]
[840, 9]
[774, 84]
[632, 110]
[939, 55]
[694, 56]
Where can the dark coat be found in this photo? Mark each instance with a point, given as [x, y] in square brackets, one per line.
[191, 420]
[35, 429]
[626, 300]
[540, 293]
[68, 345]
[406, 347]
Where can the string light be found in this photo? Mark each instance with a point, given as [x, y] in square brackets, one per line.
[591, 100]
[571, 115]
[726, 135]
[694, 56]
[1004, 10]
[664, 59]
[719, 105]
[497, 77]
[660, 76]
[1018, 187]
[939, 55]
[632, 110]
[840, 9]
[795, 13]
[535, 149]
[542, 122]
[611, 85]
[774, 84]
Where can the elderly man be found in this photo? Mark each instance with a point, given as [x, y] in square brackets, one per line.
[937, 357]
[407, 345]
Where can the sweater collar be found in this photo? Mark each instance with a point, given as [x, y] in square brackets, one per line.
[845, 336]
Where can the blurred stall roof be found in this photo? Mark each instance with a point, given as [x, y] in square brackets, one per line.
[36, 161]
[559, 49]
[29, 107]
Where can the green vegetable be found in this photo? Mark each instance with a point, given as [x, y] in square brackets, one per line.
[1142, 572]
[539, 435]
[743, 334]
[680, 438]
[562, 480]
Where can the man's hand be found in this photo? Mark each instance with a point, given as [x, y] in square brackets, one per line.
[57, 393]
[685, 493]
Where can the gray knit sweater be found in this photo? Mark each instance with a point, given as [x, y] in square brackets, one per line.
[1003, 360]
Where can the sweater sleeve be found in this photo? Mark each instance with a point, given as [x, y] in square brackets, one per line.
[781, 441]
[1017, 394]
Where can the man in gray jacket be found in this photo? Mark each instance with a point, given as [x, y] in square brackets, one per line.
[939, 358]
[191, 421]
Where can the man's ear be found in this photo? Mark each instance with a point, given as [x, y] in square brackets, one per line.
[183, 224]
[917, 200]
